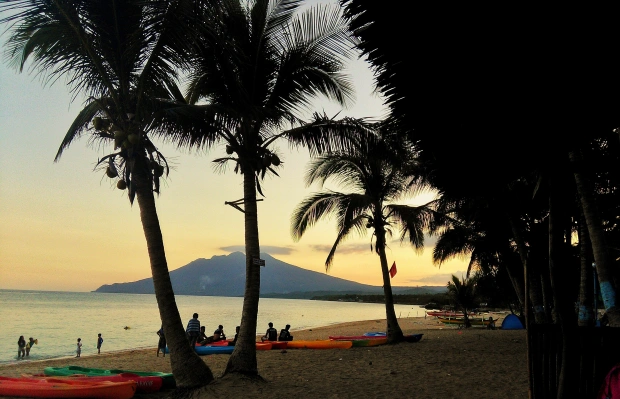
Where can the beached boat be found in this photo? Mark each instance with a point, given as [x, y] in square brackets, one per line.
[319, 344]
[213, 350]
[374, 340]
[279, 344]
[57, 388]
[146, 384]
[449, 313]
[461, 321]
[167, 378]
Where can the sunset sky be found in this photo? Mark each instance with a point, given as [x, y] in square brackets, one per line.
[65, 227]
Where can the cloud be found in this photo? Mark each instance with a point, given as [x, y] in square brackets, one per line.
[429, 241]
[270, 249]
[435, 279]
[342, 249]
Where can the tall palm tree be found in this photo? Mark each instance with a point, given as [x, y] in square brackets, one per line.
[121, 56]
[377, 174]
[263, 65]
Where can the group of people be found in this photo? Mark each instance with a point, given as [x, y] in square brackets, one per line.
[78, 349]
[197, 336]
[23, 346]
[272, 334]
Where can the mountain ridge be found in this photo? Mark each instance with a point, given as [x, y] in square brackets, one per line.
[224, 275]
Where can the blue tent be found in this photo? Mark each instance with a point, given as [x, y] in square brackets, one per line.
[512, 322]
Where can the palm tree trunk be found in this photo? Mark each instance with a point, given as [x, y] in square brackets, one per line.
[602, 259]
[394, 332]
[243, 358]
[188, 369]
[586, 282]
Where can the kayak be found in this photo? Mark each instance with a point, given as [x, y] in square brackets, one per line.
[222, 342]
[55, 388]
[448, 313]
[167, 378]
[461, 321]
[413, 337]
[213, 350]
[353, 337]
[319, 344]
[146, 384]
[375, 334]
[264, 346]
[366, 341]
[279, 344]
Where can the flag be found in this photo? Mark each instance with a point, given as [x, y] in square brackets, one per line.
[393, 270]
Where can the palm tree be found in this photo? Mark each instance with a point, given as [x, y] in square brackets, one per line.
[463, 293]
[378, 173]
[250, 80]
[121, 56]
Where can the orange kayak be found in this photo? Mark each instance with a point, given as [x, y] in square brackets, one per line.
[319, 344]
[263, 346]
[61, 388]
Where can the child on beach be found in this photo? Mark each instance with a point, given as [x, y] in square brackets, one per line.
[79, 347]
[99, 342]
[21, 347]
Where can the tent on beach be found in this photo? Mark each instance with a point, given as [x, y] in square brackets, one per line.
[512, 322]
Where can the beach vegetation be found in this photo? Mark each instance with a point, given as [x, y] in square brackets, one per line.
[463, 295]
[121, 57]
[378, 172]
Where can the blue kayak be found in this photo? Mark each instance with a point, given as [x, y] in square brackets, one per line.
[211, 350]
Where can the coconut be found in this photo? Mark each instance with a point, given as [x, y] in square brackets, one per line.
[159, 170]
[119, 134]
[229, 150]
[97, 124]
[133, 138]
[112, 173]
[275, 160]
[121, 185]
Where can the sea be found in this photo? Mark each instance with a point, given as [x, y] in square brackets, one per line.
[130, 321]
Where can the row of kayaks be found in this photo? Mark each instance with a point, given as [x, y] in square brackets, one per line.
[83, 382]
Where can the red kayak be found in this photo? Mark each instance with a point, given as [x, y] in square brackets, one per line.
[146, 384]
[64, 388]
[222, 342]
[354, 337]
[448, 313]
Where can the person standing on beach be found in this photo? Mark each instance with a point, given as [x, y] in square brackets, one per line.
[161, 345]
[193, 330]
[78, 350]
[99, 342]
[21, 347]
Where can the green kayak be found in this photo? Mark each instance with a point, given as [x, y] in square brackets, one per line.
[168, 379]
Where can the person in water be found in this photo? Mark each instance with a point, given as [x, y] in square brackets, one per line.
[285, 334]
[271, 334]
[21, 347]
[29, 345]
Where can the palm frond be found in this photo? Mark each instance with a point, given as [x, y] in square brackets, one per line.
[414, 220]
[312, 209]
[356, 223]
[79, 126]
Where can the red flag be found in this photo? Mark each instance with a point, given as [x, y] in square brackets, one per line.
[393, 270]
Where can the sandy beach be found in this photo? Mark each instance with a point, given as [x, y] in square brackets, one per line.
[447, 362]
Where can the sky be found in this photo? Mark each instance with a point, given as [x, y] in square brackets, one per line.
[65, 227]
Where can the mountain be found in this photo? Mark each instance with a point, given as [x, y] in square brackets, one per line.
[225, 276]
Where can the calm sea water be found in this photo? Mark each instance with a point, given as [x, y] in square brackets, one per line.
[57, 319]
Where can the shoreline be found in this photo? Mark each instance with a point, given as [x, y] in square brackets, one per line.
[492, 363]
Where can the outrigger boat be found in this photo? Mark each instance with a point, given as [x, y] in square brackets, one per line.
[449, 313]
[474, 321]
